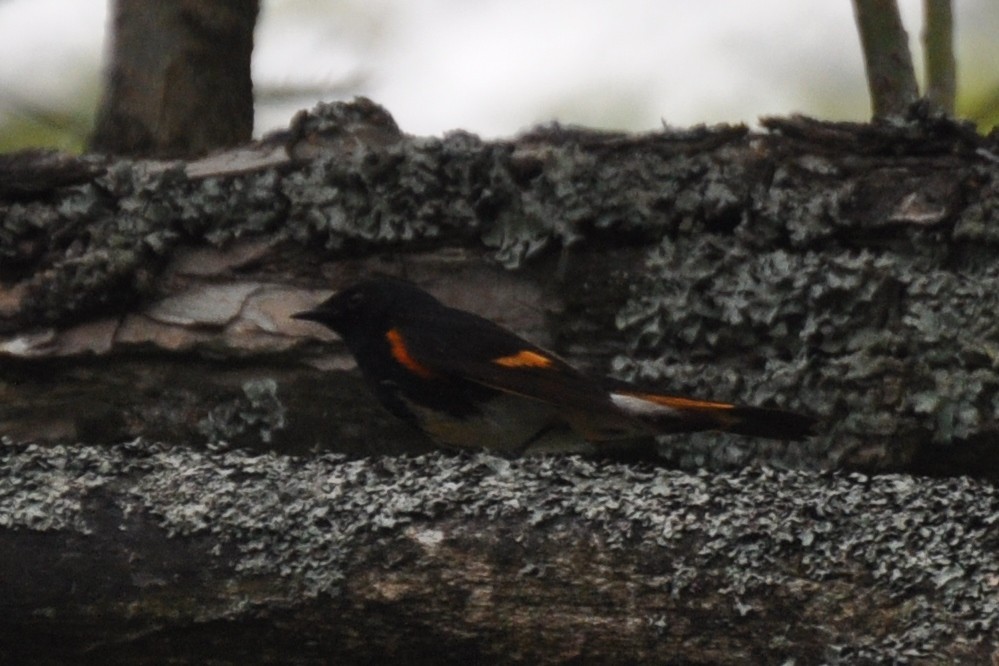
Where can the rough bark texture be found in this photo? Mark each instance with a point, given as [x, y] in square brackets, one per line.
[178, 78]
[142, 553]
[846, 270]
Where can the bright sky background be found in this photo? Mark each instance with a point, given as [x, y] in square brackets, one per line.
[498, 66]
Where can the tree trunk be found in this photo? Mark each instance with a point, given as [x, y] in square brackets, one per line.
[938, 45]
[146, 554]
[891, 77]
[178, 78]
[845, 270]
[842, 270]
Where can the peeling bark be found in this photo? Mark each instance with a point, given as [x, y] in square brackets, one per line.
[839, 269]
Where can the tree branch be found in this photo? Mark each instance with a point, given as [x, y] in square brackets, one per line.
[809, 266]
[938, 44]
[838, 268]
[140, 552]
[891, 77]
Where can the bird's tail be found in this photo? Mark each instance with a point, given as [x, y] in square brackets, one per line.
[664, 414]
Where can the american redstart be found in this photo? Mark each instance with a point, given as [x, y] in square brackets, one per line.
[472, 384]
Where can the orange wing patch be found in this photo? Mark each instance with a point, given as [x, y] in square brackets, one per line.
[674, 402]
[524, 359]
[400, 353]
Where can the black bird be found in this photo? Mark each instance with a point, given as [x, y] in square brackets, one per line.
[469, 383]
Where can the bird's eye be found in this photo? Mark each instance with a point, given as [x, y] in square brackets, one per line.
[355, 300]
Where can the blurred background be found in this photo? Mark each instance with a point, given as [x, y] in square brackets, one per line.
[496, 67]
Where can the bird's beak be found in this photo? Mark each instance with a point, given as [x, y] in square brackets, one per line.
[308, 315]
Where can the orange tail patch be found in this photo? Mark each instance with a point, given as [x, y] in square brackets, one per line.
[524, 359]
[670, 414]
[674, 402]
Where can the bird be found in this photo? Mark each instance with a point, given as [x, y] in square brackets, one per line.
[469, 383]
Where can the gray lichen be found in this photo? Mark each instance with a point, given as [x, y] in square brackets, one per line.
[844, 270]
[258, 411]
[927, 550]
[365, 184]
[883, 345]
[134, 215]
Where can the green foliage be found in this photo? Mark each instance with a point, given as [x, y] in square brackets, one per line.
[980, 104]
[50, 128]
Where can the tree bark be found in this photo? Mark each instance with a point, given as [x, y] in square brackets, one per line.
[178, 78]
[843, 270]
[938, 45]
[143, 553]
[846, 270]
[891, 77]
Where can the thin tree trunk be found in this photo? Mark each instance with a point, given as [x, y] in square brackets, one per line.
[891, 77]
[178, 78]
[938, 45]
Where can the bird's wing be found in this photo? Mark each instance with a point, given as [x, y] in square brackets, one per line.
[454, 343]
